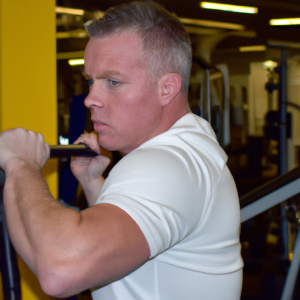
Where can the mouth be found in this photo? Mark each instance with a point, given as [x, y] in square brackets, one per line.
[98, 122]
[99, 126]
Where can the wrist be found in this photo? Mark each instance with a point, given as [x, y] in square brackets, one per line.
[93, 185]
[15, 166]
[92, 190]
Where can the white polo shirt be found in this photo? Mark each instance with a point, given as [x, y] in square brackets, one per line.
[179, 191]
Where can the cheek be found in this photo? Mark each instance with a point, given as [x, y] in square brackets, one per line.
[136, 108]
[131, 103]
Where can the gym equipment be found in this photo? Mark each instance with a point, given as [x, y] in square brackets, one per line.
[72, 150]
[222, 110]
[8, 261]
[267, 196]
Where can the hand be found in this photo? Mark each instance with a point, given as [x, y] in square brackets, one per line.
[88, 170]
[20, 144]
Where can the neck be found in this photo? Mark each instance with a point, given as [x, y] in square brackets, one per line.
[172, 112]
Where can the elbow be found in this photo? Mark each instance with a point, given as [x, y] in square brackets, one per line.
[56, 284]
[52, 286]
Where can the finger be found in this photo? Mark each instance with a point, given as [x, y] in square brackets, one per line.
[92, 135]
[47, 151]
[89, 139]
[19, 131]
[31, 133]
[40, 137]
[81, 138]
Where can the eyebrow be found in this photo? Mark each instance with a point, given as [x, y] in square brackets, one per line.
[106, 73]
[111, 73]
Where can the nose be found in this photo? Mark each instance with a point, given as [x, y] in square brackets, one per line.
[93, 98]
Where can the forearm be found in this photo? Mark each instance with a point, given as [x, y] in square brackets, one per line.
[20, 185]
[92, 190]
[16, 229]
[34, 217]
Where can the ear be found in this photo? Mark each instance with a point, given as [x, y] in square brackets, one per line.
[169, 87]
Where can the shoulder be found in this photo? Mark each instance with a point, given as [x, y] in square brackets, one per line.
[159, 188]
[163, 162]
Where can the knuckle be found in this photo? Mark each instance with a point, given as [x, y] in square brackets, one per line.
[20, 129]
[40, 136]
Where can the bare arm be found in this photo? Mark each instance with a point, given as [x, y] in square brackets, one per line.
[67, 250]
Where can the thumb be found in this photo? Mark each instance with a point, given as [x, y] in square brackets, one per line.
[103, 160]
[97, 166]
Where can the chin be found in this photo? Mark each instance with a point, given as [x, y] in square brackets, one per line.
[110, 147]
[114, 144]
[108, 144]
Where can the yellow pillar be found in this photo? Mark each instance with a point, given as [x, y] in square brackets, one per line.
[28, 86]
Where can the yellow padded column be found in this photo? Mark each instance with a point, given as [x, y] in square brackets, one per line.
[28, 86]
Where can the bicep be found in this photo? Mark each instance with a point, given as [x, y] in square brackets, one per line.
[111, 243]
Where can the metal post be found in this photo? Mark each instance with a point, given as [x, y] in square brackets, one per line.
[8, 262]
[207, 95]
[291, 278]
[282, 163]
[201, 96]
[225, 140]
[282, 159]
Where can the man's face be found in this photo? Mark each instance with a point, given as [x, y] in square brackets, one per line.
[123, 100]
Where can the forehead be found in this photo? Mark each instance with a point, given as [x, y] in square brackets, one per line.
[117, 53]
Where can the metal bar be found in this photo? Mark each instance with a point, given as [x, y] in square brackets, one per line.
[201, 96]
[9, 268]
[269, 187]
[291, 278]
[72, 150]
[282, 147]
[225, 107]
[282, 164]
[270, 200]
[8, 256]
[208, 115]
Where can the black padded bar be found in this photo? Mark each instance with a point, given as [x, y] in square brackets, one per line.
[72, 150]
[269, 187]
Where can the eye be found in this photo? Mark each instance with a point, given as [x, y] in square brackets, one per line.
[90, 82]
[112, 82]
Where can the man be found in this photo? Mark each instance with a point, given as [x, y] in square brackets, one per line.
[165, 223]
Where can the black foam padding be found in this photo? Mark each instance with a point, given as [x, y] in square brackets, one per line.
[72, 150]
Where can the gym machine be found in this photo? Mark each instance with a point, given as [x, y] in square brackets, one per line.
[267, 196]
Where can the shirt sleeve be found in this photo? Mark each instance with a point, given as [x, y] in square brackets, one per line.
[163, 189]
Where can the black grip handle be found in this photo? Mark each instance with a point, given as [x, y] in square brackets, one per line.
[72, 150]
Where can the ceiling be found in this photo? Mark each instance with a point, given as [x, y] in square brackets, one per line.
[257, 25]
